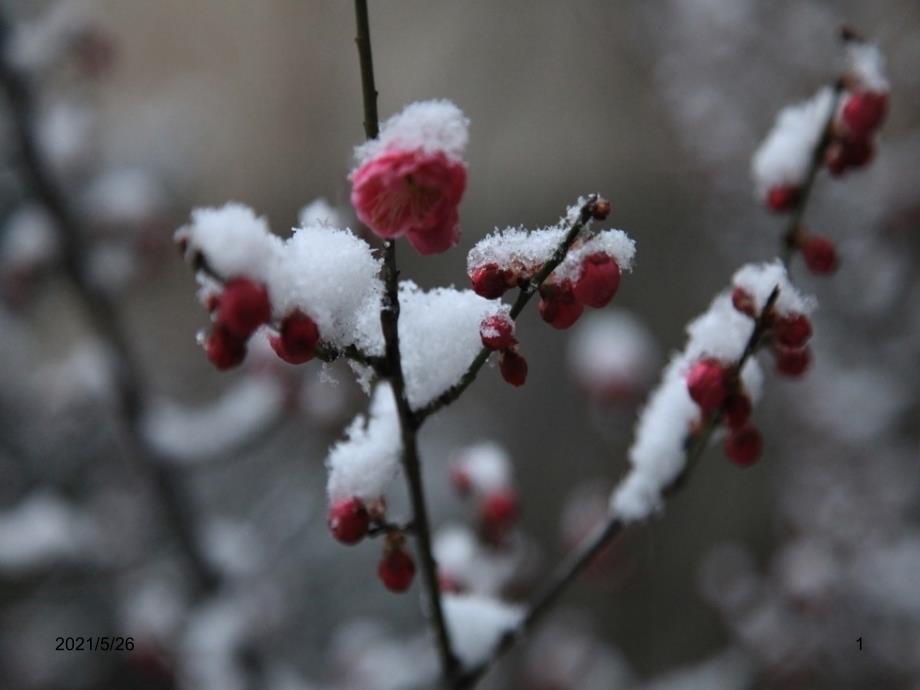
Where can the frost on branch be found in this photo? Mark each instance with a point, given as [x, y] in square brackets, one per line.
[364, 463]
[783, 159]
[477, 624]
[716, 339]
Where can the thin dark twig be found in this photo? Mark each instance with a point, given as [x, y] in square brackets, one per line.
[526, 293]
[389, 322]
[603, 533]
[104, 319]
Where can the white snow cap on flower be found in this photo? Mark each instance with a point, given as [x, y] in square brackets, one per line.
[367, 460]
[462, 557]
[515, 247]
[234, 241]
[436, 126]
[758, 281]
[332, 276]
[320, 212]
[866, 62]
[477, 623]
[438, 336]
[487, 466]
[785, 155]
[612, 350]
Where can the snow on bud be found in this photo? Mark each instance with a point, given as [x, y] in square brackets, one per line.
[410, 179]
[497, 332]
[477, 623]
[243, 306]
[297, 340]
[754, 283]
[396, 569]
[481, 469]
[513, 367]
[743, 446]
[349, 520]
[489, 281]
[780, 165]
[598, 282]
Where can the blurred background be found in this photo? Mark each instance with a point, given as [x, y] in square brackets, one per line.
[756, 578]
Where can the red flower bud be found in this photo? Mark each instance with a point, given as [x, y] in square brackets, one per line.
[743, 446]
[863, 112]
[489, 281]
[297, 341]
[558, 305]
[243, 307]
[396, 568]
[497, 332]
[743, 302]
[783, 197]
[499, 509]
[820, 255]
[707, 384]
[598, 282]
[792, 362]
[349, 520]
[737, 410]
[224, 349]
[793, 330]
[513, 367]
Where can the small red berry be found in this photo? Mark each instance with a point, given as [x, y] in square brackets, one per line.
[396, 568]
[864, 111]
[558, 305]
[598, 282]
[737, 410]
[499, 509]
[707, 384]
[497, 332]
[489, 281]
[820, 255]
[243, 307]
[600, 209]
[792, 362]
[793, 330]
[743, 302]
[783, 197]
[297, 341]
[743, 446]
[349, 520]
[224, 349]
[513, 367]
[460, 479]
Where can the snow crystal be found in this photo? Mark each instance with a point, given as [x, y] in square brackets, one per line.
[365, 462]
[462, 557]
[234, 241]
[866, 62]
[759, 280]
[430, 126]
[332, 276]
[487, 466]
[40, 531]
[477, 624]
[189, 433]
[612, 349]
[439, 337]
[786, 154]
[320, 212]
[516, 247]
[614, 243]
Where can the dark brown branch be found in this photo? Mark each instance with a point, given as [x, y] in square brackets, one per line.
[576, 561]
[526, 293]
[103, 317]
[389, 322]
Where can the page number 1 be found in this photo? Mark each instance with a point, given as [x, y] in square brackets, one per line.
[859, 642]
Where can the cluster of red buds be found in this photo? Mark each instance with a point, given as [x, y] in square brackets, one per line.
[350, 521]
[238, 310]
[497, 333]
[716, 387]
[789, 335]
